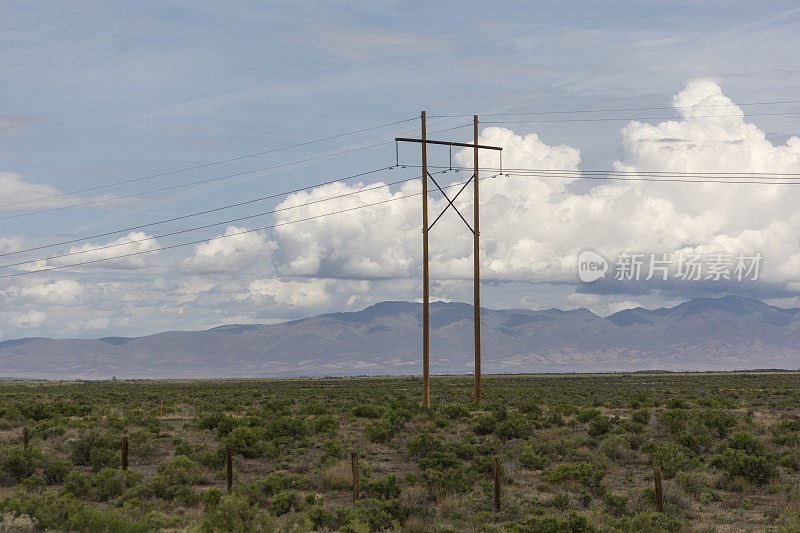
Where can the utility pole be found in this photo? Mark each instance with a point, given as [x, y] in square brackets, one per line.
[476, 264]
[426, 333]
[425, 256]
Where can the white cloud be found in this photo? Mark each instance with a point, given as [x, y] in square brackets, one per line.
[533, 228]
[29, 319]
[19, 195]
[103, 255]
[229, 254]
[11, 244]
[58, 292]
[307, 293]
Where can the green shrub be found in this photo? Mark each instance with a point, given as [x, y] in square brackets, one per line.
[530, 457]
[367, 411]
[78, 484]
[234, 514]
[617, 504]
[110, 482]
[380, 430]
[717, 421]
[646, 523]
[641, 416]
[672, 458]
[63, 512]
[54, 469]
[674, 419]
[600, 426]
[574, 523]
[383, 489]
[584, 473]
[424, 444]
[325, 424]
[378, 515]
[587, 415]
[747, 443]
[484, 425]
[180, 470]
[322, 518]
[246, 441]
[455, 411]
[286, 427]
[513, 427]
[282, 503]
[17, 464]
[736, 462]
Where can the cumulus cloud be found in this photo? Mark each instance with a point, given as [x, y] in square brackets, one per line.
[108, 255]
[306, 293]
[235, 251]
[10, 244]
[29, 319]
[58, 292]
[19, 195]
[533, 228]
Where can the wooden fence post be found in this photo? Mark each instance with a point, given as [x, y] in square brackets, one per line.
[161, 409]
[228, 466]
[25, 439]
[496, 483]
[356, 475]
[659, 494]
[124, 453]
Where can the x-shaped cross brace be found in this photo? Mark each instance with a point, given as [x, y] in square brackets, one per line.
[450, 202]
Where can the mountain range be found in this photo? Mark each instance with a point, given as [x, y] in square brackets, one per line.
[728, 333]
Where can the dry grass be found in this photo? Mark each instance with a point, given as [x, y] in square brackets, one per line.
[337, 476]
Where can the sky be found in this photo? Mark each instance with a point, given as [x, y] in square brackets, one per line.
[119, 115]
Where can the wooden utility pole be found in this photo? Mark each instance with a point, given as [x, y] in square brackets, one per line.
[426, 336]
[659, 493]
[356, 475]
[426, 400]
[125, 453]
[497, 493]
[476, 264]
[229, 466]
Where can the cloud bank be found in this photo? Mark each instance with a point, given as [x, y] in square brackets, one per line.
[532, 228]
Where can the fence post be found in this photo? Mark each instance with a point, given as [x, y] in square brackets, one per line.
[161, 409]
[356, 475]
[124, 453]
[228, 466]
[659, 494]
[25, 439]
[496, 483]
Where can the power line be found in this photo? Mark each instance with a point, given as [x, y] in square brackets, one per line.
[214, 224]
[218, 178]
[565, 174]
[213, 163]
[192, 183]
[623, 172]
[142, 252]
[627, 119]
[654, 179]
[198, 213]
[619, 110]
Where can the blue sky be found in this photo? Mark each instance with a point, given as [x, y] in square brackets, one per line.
[93, 93]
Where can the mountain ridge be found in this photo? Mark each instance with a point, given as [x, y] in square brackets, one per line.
[727, 333]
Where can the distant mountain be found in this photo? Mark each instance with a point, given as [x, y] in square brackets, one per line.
[701, 334]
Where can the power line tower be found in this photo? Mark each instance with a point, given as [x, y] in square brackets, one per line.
[474, 228]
